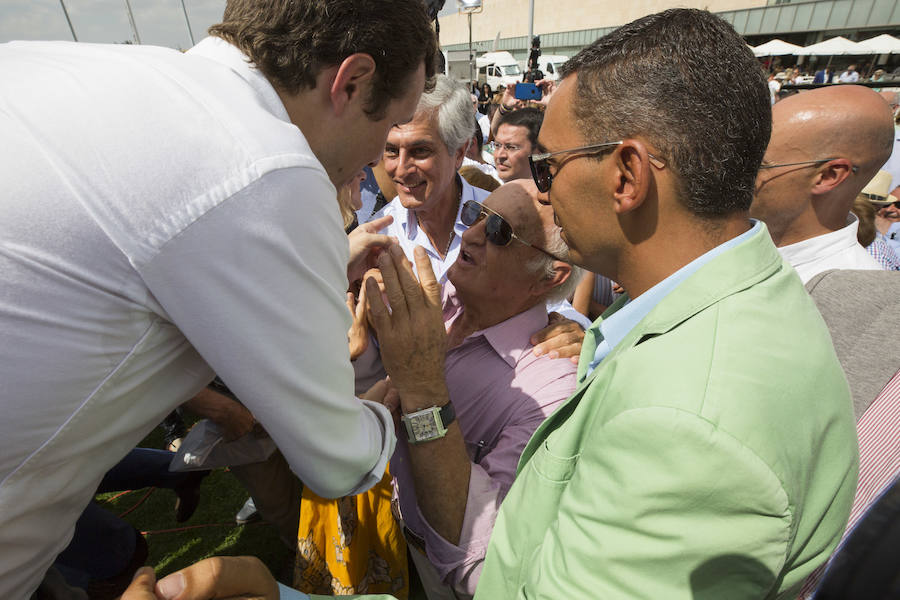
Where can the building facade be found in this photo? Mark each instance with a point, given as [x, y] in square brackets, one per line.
[566, 26]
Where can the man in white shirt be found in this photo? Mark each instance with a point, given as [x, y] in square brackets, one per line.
[850, 75]
[826, 145]
[168, 216]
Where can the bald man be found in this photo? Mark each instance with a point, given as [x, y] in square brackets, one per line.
[511, 261]
[826, 145]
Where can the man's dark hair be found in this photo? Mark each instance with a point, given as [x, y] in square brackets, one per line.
[687, 83]
[529, 118]
[291, 41]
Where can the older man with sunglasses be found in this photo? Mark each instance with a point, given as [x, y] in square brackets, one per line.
[462, 441]
[826, 145]
[709, 449]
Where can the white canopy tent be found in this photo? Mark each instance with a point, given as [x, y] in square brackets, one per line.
[882, 44]
[836, 46]
[775, 48]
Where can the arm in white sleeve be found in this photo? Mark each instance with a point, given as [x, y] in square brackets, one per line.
[257, 285]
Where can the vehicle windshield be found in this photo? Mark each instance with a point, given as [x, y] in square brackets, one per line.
[512, 69]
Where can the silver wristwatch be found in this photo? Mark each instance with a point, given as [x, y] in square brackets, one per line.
[428, 424]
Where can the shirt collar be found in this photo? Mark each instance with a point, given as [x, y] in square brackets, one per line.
[220, 51]
[411, 224]
[615, 327]
[814, 248]
[510, 339]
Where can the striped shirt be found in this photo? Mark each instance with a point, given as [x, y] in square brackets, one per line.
[878, 431]
[884, 254]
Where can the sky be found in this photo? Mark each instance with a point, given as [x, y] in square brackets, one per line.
[159, 22]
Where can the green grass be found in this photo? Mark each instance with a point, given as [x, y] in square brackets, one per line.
[211, 531]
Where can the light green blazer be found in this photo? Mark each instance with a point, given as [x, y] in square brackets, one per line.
[711, 455]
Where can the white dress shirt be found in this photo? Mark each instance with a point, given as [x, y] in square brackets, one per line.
[161, 220]
[836, 250]
[406, 229]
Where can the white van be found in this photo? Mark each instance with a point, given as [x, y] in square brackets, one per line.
[498, 69]
[549, 65]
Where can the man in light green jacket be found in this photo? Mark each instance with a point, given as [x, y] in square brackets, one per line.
[709, 451]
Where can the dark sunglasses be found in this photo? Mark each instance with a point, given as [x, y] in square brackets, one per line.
[496, 230]
[540, 166]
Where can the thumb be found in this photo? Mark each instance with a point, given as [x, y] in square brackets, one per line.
[141, 586]
[377, 392]
[378, 224]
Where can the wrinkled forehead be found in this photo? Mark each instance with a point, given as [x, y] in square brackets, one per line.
[422, 127]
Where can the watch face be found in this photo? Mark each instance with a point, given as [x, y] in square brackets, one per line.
[424, 427]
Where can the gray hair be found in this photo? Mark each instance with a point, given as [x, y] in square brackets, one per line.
[452, 104]
[543, 263]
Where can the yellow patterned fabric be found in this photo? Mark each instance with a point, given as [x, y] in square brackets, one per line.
[351, 545]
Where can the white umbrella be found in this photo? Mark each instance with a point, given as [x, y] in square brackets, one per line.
[882, 44]
[836, 46]
[775, 48]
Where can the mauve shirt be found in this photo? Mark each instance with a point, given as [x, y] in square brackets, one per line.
[501, 393]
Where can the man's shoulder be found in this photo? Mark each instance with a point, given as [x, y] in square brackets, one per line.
[711, 357]
[511, 341]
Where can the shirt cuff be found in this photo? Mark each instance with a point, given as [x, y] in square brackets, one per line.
[286, 593]
[387, 450]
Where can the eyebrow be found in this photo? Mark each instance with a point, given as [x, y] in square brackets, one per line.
[414, 144]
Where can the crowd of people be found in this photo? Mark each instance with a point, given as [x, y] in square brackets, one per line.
[778, 78]
[615, 356]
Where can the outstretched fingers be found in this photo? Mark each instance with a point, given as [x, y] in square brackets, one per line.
[430, 286]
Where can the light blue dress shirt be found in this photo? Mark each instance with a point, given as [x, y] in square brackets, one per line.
[612, 330]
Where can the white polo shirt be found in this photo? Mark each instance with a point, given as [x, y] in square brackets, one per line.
[836, 250]
[161, 220]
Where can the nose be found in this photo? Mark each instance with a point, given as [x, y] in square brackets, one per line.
[407, 161]
[404, 164]
[474, 235]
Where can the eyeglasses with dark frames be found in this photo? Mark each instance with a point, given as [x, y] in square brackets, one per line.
[540, 167]
[496, 229]
[853, 168]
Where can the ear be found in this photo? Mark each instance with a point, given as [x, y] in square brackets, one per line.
[351, 82]
[632, 176]
[460, 154]
[831, 174]
[561, 272]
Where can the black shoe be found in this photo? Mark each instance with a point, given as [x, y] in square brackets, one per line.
[247, 514]
[188, 495]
